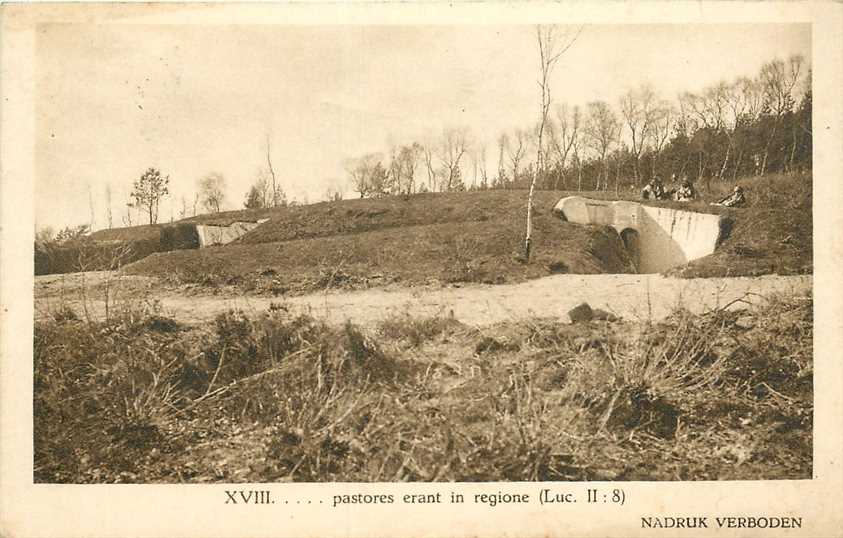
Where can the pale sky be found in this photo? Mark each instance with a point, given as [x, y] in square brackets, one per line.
[113, 100]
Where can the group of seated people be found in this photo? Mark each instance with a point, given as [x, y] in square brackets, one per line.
[685, 192]
[656, 190]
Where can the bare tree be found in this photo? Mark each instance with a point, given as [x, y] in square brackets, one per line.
[516, 149]
[700, 112]
[212, 191]
[254, 199]
[746, 104]
[481, 161]
[600, 131]
[451, 150]
[552, 45]
[402, 167]
[263, 186]
[575, 158]
[91, 207]
[108, 217]
[183, 210]
[474, 166]
[262, 194]
[703, 110]
[563, 134]
[664, 117]
[274, 193]
[685, 122]
[733, 113]
[127, 218]
[620, 149]
[428, 154]
[503, 144]
[638, 108]
[751, 97]
[333, 194]
[778, 80]
[364, 174]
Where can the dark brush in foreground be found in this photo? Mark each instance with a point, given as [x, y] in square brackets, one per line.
[725, 395]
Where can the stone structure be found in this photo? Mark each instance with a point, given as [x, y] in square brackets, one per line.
[658, 238]
[210, 234]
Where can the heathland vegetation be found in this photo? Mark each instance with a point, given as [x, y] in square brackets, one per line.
[277, 396]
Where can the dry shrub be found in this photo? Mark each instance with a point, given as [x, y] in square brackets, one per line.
[661, 368]
[104, 391]
[416, 331]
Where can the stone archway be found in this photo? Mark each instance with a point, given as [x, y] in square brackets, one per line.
[664, 237]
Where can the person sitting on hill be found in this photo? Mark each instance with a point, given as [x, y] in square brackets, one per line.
[655, 189]
[734, 199]
[686, 192]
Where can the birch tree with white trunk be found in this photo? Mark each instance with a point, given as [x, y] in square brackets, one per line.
[553, 42]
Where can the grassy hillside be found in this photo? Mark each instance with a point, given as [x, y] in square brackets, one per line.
[498, 208]
[473, 251]
[772, 235]
[130, 233]
[475, 237]
[323, 219]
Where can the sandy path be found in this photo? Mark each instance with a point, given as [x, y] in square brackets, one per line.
[628, 296]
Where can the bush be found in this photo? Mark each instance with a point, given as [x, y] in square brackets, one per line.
[103, 395]
[179, 236]
[88, 255]
[416, 331]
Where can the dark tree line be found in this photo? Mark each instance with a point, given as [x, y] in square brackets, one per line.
[751, 126]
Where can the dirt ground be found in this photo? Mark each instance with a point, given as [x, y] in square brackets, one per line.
[631, 297]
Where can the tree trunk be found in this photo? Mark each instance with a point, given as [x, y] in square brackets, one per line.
[272, 173]
[528, 239]
[725, 161]
[767, 146]
[792, 153]
[579, 177]
[618, 172]
[737, 165]
[635, 171]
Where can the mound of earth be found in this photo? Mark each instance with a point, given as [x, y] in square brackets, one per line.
[475, 251]
[469, 237]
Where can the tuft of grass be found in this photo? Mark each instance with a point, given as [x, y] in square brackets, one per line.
[65, 313]
[416, 331]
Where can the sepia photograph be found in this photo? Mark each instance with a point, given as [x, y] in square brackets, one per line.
[422, 253]
[417, 269]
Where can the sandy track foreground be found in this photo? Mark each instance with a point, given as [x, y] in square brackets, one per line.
[632, 297]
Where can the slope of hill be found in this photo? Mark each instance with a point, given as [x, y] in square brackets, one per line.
[469, 251]
[497, 207]
[129, 233]
[473, 237]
